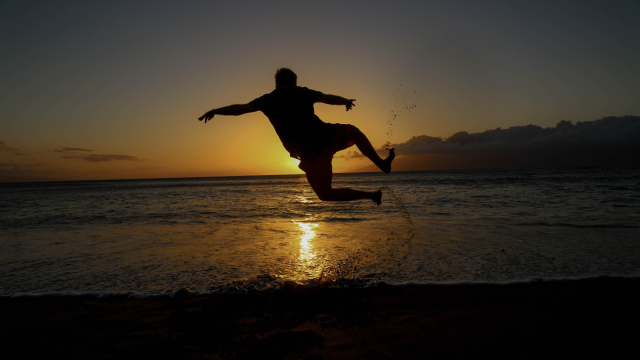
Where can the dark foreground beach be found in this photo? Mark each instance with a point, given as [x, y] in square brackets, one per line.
[528, 320]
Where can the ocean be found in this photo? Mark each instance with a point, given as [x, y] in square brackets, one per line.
[253, 233]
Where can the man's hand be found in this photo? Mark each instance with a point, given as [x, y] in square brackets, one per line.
[337, 100]
[234, 110]
[350, 104]
[207, 116]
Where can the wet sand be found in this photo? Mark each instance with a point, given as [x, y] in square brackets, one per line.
[532, 320]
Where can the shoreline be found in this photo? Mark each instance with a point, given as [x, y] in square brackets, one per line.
[289, 286]
[515, 320]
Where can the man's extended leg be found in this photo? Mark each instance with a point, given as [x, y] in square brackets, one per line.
[365, 147]
[319, 175]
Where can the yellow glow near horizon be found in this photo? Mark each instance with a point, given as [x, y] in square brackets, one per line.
[294, 162]
[138, 107]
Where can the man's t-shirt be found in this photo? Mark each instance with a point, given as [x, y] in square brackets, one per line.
[291, 113]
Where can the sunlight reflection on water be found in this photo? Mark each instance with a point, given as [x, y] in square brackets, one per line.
[307, 258]
[307, 199]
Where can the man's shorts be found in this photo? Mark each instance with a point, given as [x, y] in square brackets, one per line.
[345, 138]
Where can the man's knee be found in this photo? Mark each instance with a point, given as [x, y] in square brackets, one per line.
[323, 193]
[322, 187]
[356, 131]
[328, 196]
[357, 135]
[325, 196]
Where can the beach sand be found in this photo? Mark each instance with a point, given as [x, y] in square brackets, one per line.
[527, 320]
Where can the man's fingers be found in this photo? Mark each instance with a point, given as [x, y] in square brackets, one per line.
[350, 105]
[206, 117]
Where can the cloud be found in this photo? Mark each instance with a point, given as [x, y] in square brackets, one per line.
[20, 167]
[19, 172]
[64, 149]
[349, 155]
[103, 157]
[610, 141]
[5, 147]
[608, 132]
[95, 158]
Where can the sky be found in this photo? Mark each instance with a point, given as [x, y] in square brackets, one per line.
[113, 89]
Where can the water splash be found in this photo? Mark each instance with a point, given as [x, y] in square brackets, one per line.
[345, 272]
[404, 103]
[397, 200]
[406, 246]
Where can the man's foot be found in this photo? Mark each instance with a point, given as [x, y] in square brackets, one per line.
[385, 166]
[377, 197]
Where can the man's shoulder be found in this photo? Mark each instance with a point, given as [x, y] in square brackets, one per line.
[306, 89]
[278, 95]
[309, 94]
[295, 89]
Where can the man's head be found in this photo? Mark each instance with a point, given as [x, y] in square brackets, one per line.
[286, 77]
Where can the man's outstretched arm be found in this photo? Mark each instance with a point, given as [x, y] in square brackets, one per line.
[337, 100]
[235, 110]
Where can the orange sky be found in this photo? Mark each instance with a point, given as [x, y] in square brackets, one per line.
[128, 81]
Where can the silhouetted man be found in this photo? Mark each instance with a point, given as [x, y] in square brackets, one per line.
[309, 139]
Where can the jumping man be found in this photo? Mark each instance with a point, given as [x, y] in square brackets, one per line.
[309, 139]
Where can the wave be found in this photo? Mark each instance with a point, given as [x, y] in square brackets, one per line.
[288, 286]
[580, 226]
[337, 219]
[184, 217]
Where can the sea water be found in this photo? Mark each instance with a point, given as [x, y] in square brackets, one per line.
[157, 236]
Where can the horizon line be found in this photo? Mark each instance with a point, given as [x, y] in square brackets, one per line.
[352, 172]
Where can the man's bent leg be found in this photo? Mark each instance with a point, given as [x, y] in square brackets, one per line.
[319, 174]
[365, 147]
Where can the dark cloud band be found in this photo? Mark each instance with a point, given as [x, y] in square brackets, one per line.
[608, 132]
[64, 149]
[103, 157]
[5, 147]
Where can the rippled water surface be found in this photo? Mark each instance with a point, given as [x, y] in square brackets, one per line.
[154, 236]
